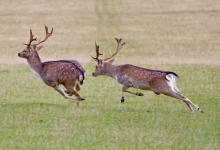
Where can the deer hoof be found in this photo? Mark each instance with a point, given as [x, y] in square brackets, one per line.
[82, 99]
[157, 93]
[122, 100]
[200, 110]
[139, 94]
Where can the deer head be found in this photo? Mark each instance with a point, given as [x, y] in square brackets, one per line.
[103, 65]
[31, 49]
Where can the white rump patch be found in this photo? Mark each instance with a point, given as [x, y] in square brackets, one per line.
[171, 77]
[172, 82]
[81, 77]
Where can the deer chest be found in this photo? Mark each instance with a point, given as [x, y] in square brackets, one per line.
[125, 80]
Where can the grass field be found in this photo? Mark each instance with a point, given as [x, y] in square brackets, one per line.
[168, 35]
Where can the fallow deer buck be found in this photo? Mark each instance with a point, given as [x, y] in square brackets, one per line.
[160, 82]
[68, 73]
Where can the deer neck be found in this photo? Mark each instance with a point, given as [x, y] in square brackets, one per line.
[110, 70]
[35, 63]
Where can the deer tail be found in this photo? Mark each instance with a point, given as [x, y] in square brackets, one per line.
[173, 73]
[81, 77]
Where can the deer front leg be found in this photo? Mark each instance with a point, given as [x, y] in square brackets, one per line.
[124, 89]
[137, 93]
[78, 97]
[61, 91]
[122, 93]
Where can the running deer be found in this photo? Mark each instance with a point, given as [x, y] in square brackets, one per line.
[160, 82]
[68, 73]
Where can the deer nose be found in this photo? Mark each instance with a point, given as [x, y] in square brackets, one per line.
[93, 74]
[19, 54]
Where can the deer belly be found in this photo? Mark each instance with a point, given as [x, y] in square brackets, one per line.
[131, 82]
[58, 77]
[141, 85]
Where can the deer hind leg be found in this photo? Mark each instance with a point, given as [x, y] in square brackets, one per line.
[70, 89]
[77, 87]
[180, 97]
[168, 87]
[56, 87]
[79, 98]
[63, 93]
[173, 91]
[188, 102]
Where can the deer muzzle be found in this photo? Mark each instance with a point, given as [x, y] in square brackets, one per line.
[22, 55]
[19, 54]
[94, 74]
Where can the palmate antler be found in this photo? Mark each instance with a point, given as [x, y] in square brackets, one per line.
[97, 53]
[119, 46]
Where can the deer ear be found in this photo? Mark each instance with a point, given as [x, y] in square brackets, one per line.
[111, 61]
[39, 47]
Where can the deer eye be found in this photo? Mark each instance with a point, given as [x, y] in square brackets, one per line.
[26, 50]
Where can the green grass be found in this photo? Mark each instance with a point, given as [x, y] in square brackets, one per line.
[168, 35]
[34, 116]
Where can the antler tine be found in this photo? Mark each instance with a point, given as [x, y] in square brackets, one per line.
[48, 34]
[31, 38]
[31, 35]
[97, 52]
[119, 46]
[46, 29]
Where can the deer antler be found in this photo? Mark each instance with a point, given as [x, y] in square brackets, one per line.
[48, 34]
[31, 38]
[97, 53]
[118, 47]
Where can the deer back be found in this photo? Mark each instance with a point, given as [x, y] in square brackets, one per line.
[134, 76]
[61, 71]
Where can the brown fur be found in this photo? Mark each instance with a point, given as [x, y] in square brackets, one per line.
[55, 73]
[160, 82]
